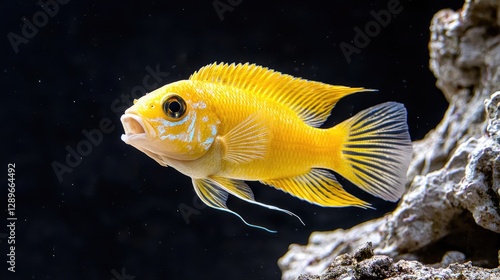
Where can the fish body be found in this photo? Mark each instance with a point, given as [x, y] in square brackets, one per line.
[231, 123]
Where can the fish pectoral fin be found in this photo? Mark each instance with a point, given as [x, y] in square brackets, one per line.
[318, 186]
[213, 195]
[247, 141]
[242, 191]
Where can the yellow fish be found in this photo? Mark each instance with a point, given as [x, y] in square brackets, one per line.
[230, 123]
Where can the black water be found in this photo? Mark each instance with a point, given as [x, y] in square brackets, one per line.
[113, 213]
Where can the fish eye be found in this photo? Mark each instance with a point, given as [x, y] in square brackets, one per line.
[174, 107]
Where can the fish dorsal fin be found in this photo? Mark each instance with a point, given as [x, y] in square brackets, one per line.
[312, 101]
[318, 186]
[247, 141]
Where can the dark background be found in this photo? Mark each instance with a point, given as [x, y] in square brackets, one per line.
[118, 209]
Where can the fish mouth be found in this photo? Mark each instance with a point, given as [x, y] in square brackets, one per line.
[135, 128]
[140, 134]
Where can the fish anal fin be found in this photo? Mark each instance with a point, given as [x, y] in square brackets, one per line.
[247, 141]
[312, 101]
[318, 186]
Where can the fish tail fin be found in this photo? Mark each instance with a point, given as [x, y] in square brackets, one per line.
[375, 150]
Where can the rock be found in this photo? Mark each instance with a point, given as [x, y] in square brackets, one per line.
[382, 267]
[478, 192]
[450, 258]
[454, 179]
[493, 127]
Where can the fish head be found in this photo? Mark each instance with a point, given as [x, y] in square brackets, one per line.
[172, 122]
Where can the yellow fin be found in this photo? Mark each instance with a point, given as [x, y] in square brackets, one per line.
[312, 101]
[213, 196]
[237, 188]
[210, 195]
[246, 142]
[241, 190]
[377, 150]
[319, 187]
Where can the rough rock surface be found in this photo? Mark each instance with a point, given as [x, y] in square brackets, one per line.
[363, 264]
[454, 178]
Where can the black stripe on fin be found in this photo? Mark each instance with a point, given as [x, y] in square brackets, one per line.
[378, 150]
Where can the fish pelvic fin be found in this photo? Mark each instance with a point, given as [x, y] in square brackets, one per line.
[213, 196]
[375, 150]
[318, 186]
[312, 101]
[214, 193]
[242, 191]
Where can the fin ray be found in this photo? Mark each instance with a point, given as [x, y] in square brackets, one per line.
[213, 196]
[377, 150]
[319, 187]
[247, 141]
[312, 101]
[241, 190]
